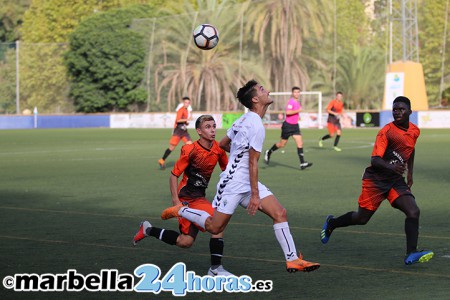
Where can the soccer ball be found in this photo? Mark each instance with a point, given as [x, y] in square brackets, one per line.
[206, 36]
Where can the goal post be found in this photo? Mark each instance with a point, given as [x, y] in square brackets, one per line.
[310, 104]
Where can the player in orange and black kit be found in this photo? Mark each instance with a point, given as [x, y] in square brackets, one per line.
[180, 131]
[392, 157]
[335, 109]
[196, 163]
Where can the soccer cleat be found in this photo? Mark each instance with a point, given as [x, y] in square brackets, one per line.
[219, 271]
[418, 257]
[337, 149]
[171, 212]
[267, 157]
[301, 265]
[142, 233]
[161, 163]
[305, 165]
[325, 233]
[320, 143]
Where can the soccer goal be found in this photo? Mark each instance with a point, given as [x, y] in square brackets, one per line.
[311, 102]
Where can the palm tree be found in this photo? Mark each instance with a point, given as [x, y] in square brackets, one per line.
[289, 22]
[209, 77]
[360, 75]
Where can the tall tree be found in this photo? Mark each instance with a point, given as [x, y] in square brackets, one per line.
[7, 83]
[280, 27]
[11, 17]
[352, 24]
[210, 77]
[106, 62]
[361, 77]
[46, 28]
[431, 37]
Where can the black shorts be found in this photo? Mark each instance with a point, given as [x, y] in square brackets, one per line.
[333, 120]
[288, 130]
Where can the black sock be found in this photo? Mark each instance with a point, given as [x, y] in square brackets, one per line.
[300, 155]
[412, 234]
[216, 246]
[274, 148]
[336, 140]
[166, 154]
[326, 137]
[167, 236]
[342, 221]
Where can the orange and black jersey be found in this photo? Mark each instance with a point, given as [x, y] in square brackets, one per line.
[197, 163]
[182, 113]
[394, 145]
[337, 107]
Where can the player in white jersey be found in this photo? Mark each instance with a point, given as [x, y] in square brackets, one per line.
[239, 185]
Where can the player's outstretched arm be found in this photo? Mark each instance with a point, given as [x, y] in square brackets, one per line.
[225, 143]
[409, 176]
[379, 162]
[255, 201]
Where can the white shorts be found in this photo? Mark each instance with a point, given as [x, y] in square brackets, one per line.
[230, 199]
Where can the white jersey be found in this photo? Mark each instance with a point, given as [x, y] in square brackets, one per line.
[234, 187]
[245, 133]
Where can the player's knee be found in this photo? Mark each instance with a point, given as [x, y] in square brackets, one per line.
[362, 220]
[214, 229]
[185, 243]
[413, 213]
[280, 215]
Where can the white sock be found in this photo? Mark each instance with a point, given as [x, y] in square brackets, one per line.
[284, 237]
[194, 215]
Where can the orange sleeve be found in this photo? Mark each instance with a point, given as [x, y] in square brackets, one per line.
[330, 105]
[180, 115]
[381, 143]
[183, 162]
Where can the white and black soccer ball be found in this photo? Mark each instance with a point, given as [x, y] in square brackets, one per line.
[206, 36]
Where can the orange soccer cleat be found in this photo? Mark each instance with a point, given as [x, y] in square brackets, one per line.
[161, 163]
[301, 265]
[171, 212]
[142, 233]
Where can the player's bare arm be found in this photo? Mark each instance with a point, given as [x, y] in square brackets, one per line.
[409, 176]
[332, 112]
[255, 200]
[379, 162]
[225, 143]
[293, 111]
[173, 184]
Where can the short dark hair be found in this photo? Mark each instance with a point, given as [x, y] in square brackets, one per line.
[403, 99]
[296, 88]
[203, 118]
[186, 98]
[339, 93]
[246, 93]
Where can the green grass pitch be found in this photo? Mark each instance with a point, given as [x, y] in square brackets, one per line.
[74, 198]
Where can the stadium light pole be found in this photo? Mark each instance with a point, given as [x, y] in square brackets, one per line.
[17, 79]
